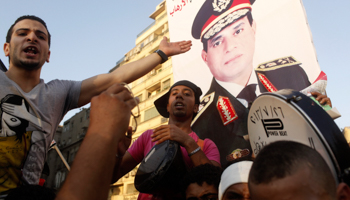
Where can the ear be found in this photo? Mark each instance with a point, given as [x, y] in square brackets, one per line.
[204, 56]
[343, 192]
[196, 107]
[48, 56]
[7, 49]
[254, 27]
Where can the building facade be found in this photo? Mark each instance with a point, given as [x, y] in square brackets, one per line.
[68, 140]
[147, 88]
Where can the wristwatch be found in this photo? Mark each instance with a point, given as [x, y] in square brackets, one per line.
[162, 55]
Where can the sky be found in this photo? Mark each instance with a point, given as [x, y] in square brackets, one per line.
[89, 37]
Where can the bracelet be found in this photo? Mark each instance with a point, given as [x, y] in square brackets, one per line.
[162, 55]
[194, 151]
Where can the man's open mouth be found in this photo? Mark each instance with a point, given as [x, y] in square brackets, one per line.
[179, 105]
[31, 50]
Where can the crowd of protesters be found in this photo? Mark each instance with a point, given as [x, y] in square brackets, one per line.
[29, 117]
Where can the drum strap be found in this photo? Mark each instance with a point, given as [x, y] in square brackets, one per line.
[200, 143]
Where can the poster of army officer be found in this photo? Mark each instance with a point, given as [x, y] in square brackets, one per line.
[248, 47]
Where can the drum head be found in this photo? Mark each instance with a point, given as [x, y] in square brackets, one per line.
[161, 170]
[290, 115]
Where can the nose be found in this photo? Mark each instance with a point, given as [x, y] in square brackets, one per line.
[32, 37]
[231, 44]
[179, 95]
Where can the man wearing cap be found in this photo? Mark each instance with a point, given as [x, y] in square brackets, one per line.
[180, 105]
[227, 31]
[234, 181]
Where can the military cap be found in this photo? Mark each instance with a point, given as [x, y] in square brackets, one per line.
[215, 15]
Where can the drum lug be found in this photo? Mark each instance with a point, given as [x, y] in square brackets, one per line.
[294, 98]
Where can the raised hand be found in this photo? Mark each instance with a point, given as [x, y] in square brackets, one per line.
[174, 48]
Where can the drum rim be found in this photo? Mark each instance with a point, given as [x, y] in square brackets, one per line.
[312, 123]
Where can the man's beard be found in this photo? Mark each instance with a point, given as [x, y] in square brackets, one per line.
[27, 65]
[179, 113]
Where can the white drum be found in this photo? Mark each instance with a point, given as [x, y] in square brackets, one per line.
[290, 115]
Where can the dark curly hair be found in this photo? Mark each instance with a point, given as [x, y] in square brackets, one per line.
[203, 173]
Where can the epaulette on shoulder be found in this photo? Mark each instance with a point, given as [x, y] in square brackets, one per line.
[278, 63]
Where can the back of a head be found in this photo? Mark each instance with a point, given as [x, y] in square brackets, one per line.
[203, 173]
[284, 158]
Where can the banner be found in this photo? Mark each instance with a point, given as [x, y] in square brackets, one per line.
[241, 48]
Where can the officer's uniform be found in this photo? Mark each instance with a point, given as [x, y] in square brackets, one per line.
[222, 117]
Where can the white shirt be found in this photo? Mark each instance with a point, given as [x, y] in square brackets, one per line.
[235, 88]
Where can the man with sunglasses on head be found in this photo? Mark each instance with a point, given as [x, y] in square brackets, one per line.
[180, 105]
[43, 105]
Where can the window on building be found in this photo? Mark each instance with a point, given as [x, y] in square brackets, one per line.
[118, 190]
[72, 156]
[63, 177]
[152, 91]
[130, 188]
[140, 97]
[66, 127]
[58, 178]
[138, 121]
[68, 156]
[150, 113]
[166, 84]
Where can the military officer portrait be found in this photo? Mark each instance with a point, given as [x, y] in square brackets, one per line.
[227, 31]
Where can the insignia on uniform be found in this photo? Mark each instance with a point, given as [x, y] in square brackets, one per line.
[267, 84]
[278, 63]
[204, 104]
[226, 110]
[236, 154]
[282, 72]
[220, 5]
